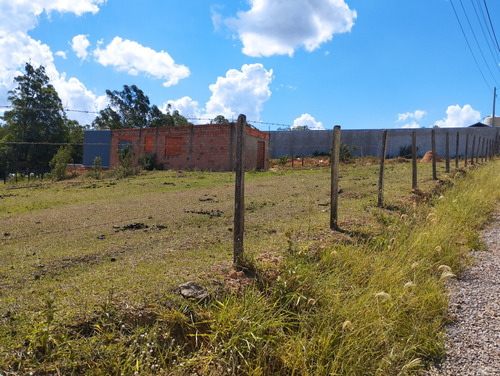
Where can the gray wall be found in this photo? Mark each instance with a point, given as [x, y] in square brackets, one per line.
[305, 143]
[96, 144]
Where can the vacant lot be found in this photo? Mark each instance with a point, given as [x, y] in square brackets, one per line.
[74, 248]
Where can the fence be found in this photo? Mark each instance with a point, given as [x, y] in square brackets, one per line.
[367, 142]
[488, 146]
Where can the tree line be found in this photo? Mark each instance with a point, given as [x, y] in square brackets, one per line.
[37, 127]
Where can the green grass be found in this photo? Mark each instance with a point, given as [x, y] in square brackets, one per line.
[81, 295]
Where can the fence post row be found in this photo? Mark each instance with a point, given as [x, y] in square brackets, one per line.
[382, 168]
[239, 195]
[456, 150]
[334, 191]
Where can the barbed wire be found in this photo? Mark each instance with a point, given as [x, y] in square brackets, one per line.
[208, 120]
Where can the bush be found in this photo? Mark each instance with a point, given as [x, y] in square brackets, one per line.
[282, 160]
[96, 168]
[125, 156]
[148, 161]
[59, 163]
[406, 151]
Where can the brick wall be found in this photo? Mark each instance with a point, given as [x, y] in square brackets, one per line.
[204, 147]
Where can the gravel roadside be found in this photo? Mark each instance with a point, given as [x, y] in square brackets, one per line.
[473, 338]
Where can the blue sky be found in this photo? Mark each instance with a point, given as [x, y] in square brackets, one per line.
[361, 64]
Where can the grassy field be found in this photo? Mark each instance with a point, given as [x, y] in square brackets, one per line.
[90, 269]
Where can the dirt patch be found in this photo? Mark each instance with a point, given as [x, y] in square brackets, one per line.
[428, 157]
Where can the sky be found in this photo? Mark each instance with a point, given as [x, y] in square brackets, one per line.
[360, 64]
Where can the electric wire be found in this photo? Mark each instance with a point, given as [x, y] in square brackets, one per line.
[468, 44]
[491, 24]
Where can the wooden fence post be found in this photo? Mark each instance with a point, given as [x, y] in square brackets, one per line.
[382, 168]
[334, 191]
[478, 149]
[456, 150]
[414, 159]
[482, 150]
[447, 152]
[473, 149]
[433, 140]
[466, 156]
[239, 195]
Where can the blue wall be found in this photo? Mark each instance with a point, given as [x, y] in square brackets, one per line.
[97, 144]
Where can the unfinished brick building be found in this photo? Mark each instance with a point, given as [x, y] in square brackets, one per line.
[204, 147]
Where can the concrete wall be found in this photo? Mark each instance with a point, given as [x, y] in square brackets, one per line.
[369, 142]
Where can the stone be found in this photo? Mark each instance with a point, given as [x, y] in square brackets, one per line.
[193, 290]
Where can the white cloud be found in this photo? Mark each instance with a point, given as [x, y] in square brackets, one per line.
[133, 58]
[17, 48]
[186, 107]
[309, 121]
[240, 92]
[23, 15]
[273, 27]
[417, 115]
[61, 54]
[80, 44]
[412, 124]
[459, 117]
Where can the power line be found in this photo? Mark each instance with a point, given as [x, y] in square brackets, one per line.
[477, 42]
[468, 44]
[492, 28]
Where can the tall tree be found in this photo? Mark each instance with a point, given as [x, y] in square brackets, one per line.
[130, 108]
[35, 124]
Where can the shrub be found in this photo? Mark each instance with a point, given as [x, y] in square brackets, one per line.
[96, 168]
[59, 163]
[406, 151]
[282, 160]
[148, 161]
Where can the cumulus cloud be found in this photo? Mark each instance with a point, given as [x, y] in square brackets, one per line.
[61, 54]
[240, 92]
[416, 115]
[273, 27]
[412, 124]
[309, 121]
[459, 117]
[17, 47]
[133, 58]
[23, 15]
[80, 44]
[186, 106]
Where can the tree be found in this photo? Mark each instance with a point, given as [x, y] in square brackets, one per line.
[36, 124]
[219, 119]
[130, 108]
